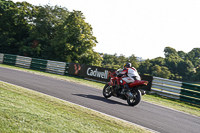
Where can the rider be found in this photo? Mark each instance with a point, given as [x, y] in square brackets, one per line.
[131, 75]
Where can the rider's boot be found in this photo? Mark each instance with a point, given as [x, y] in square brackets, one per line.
[125, 89]
[129, 93]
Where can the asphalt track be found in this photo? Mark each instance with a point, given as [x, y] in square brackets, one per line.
[154, 117]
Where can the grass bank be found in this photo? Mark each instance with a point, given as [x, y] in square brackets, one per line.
[170, 103]
[23, 110]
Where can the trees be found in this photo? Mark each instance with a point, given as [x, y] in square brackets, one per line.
[172, 59]
[48, 32]
[175, 65]
[90, 57]
[14, 25]
[161, 71]
[182, 54]
[116, 62]
[197, 74]
[170, 52]
[78, 36]
[112, 61]
[133, 60]
[181, 64]
[145, 67]
[158, 61]
[194, 56]
[185, 68]
[165, 73]
[171, 63]
[6, 35]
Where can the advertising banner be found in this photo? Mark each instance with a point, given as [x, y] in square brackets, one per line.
[149, 79]
[75, 69]
[99, 73]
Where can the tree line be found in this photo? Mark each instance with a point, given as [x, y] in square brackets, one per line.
[47, 32]
[55, 33]
[176, 65]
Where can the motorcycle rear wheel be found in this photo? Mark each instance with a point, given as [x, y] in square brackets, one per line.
[107, 91]
[132, 101]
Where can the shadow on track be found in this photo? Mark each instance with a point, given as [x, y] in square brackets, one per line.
[99, 98]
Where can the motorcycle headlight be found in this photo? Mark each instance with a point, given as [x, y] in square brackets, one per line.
[121, 81]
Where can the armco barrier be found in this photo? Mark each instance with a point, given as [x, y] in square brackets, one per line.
[176, 90]
[38, 64]
[66, 69]
[1, 57]
[190, 93]
[35, 64]
[56, 67]
[24, 62]
[165, 87]
[9, 59]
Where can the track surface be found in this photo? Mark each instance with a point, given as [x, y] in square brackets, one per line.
[145, 114]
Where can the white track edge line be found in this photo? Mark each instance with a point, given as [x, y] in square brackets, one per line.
[171, 109]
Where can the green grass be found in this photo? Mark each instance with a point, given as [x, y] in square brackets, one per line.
[23, 110]
[170, 103]
[173, 104]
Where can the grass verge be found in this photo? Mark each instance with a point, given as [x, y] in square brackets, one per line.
[159, 100]
[23, 110]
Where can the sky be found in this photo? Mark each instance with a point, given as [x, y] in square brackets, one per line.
[140, 27]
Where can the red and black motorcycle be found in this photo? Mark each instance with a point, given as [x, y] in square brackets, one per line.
[116, 84]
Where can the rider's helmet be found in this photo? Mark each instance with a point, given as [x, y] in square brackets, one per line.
[127, 65]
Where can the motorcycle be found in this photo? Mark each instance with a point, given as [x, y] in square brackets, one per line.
[116, 84]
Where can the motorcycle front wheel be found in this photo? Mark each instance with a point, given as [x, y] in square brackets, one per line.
[132, 101]
[107, 91]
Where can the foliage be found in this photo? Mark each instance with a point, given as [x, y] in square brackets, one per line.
[161, 71]
[194, 56]
[14, 25]
[90, 57]
[145, 67]
[170, 52]
[116, 62]
[48, 32]
[78, 37]
[176, 65]
[198, 73]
